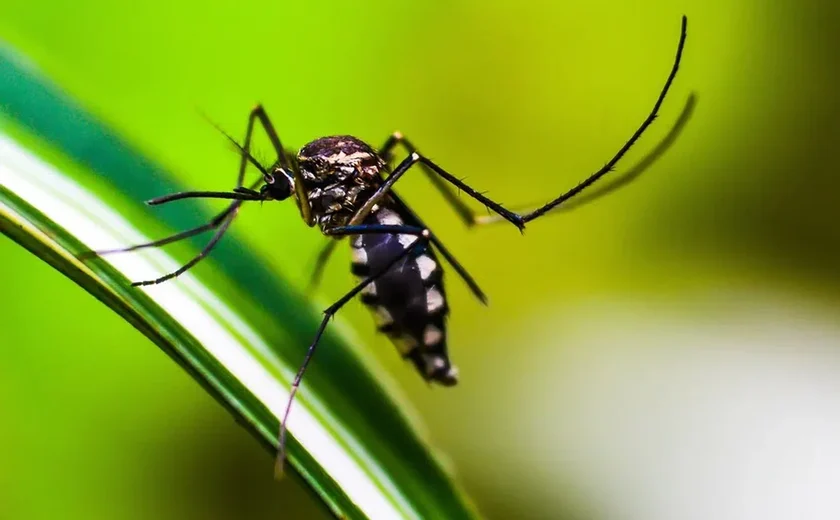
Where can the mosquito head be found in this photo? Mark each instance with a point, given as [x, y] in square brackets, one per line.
[279, 184]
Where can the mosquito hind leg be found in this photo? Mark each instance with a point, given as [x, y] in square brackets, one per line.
[620, 181]
[463, 211]
[519, 220]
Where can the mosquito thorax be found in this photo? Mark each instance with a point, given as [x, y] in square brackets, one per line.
[339, 173]
[338, 158]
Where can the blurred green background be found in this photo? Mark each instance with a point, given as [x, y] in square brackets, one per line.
[654, 355]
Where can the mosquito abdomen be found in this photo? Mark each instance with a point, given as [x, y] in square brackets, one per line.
[408, 302]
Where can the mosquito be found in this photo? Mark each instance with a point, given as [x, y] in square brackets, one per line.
[345, 187]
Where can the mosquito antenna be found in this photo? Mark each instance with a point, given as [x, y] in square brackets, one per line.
[238, 147]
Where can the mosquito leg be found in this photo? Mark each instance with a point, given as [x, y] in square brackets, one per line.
[259, 114]
[386, 187]
[328, 314]
[213, 224]
[378, 229]
[623, 150]
[417, 231]
[471, 218]
[239, 194]
[325, 253]
[460, 269]
[256, 114]
[196, 259]
[461, 209]
[625, 178]
[516, 219]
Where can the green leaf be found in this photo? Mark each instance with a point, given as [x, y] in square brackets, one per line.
[62, 174]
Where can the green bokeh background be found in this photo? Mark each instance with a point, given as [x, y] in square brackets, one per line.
[524, 100]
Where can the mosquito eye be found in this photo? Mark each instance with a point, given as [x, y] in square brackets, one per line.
[281, 188]
[284, 188]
